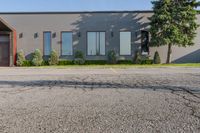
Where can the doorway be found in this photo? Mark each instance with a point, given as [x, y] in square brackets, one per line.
[144, 42]
[4, 49]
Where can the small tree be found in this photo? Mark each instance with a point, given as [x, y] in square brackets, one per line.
[53, 60]
[37, 58]
[20, 58]
[156, 59]
[173, 23]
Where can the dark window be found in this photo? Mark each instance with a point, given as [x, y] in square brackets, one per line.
[35, 35]
[144, 42]
[47, 43]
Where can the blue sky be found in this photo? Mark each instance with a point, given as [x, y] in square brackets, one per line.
[73, 5]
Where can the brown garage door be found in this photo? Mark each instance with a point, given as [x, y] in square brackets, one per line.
[4, 50]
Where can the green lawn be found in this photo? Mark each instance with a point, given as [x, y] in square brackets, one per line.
[123, 66]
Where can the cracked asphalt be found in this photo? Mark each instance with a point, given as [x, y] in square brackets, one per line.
[132, 100]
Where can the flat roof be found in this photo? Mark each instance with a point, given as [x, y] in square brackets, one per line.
[79, 12]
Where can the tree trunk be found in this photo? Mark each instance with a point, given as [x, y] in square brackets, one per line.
[169, 54]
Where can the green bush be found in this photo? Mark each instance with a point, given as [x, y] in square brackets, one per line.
[65, 62]
[27, 63]
[95, 62]
[79, 54]
[146, 62]
[137, 59]
[53, 60]
[45, 63]
[79, 61]
[79, 58]
[156, 59]
[112, 57]
[20, 58]
[37, 58]
[125, 62]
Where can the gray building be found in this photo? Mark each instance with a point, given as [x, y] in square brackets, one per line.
[93, 33]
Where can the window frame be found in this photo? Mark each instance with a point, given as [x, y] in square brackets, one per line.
[87, 43]
[120, 43]
[44, 42]
[62, 43]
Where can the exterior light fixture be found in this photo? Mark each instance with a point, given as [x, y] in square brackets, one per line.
[36, 35]
[79, 34]
[112, 34]
[20, 35]
[54, 35]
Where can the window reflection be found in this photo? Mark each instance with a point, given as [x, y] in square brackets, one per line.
[96, 43]
[125, 43]
[47, 43]
[67, 44]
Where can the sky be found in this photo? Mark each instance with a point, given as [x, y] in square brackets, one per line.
[73, 5]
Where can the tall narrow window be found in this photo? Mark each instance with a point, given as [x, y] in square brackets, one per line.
[96, 43]
[145, 42]
[47, 43]
[125, 43]
[67, 43]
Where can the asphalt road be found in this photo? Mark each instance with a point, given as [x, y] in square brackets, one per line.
[163, 100]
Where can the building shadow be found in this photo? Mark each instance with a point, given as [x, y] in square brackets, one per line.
[193, 57]
[112, 24]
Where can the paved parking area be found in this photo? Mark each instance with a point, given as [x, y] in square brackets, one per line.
[99, 100]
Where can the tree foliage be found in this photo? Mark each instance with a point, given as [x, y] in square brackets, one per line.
[173, 23]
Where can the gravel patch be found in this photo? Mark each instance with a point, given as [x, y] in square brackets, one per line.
[149, 100]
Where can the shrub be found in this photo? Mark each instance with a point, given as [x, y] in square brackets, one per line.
[65, 62]
[45, 63]
[27, 63]
[137, 59]
[95, 62]
[156, 59]
[53, 60]
[79, 58]
[79, 61]
[37, 58]
[20, 58]
[125, 62]
[146, 62]
[79, 54]
[112, 57]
